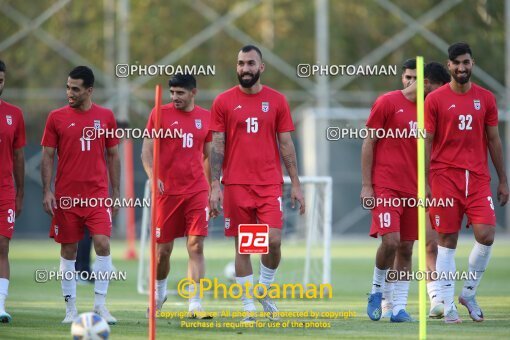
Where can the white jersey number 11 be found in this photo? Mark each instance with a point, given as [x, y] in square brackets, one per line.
[85, 144]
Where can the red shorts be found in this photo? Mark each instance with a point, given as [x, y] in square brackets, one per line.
[182, 215]
[7, 217]
[68, 225]
[471, 195]
[394, 219]
[252, 204]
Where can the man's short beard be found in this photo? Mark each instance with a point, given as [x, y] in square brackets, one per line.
[248, 83]
[463, 80]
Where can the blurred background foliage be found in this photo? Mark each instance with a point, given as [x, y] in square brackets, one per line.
[285, 27]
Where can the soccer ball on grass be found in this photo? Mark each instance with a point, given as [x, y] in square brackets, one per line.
[90, 326]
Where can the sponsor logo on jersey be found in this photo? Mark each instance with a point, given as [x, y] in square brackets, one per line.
[238, 107]
[437, 220]
[9, 119]
[227, 222]
[198, 123]
[451, 106]
[477, 105]
[97, 124]
[265, 106]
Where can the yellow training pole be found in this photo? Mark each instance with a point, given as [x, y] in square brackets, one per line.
[422, 266]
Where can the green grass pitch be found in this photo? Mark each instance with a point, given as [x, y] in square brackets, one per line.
[38, 308]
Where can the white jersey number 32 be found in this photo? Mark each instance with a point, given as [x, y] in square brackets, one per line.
[465, 122]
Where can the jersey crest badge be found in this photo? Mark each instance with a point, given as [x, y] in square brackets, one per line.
[476, 103]
[97, 124]
[227, 223]
[265, 106]
[56, 229]
[437, 220]
[9, 119]
[198, 123]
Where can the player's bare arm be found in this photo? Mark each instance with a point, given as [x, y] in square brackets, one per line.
[367, 160]
[113, 160]
[428, 150]
[496, 152]
[18, 170]
[288, 153]
[49, 202]
[147, 154]
[216, 162]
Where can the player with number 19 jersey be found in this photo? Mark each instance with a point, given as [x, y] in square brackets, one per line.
[81, 171]
[253, 182]
[393, 111]
[458, 165]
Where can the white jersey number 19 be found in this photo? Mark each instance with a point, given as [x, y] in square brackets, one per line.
[385, 220]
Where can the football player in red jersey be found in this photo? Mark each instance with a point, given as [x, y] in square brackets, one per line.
[251, 126]
[183, 207]
[408, 73]
[462, 122]
[383, 161]
[12, 164]
[436, 75]
[82, 173]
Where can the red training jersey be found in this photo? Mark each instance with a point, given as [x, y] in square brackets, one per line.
[250, 123]
[458, 122]
[395, 159]
[12, 136]
[81, 170]
[181, 159]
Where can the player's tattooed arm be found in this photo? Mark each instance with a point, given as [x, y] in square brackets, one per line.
[288, 153]
[114, 172]
[49, 202]
[19, 178]
[217, 154]
[216, 163]
[496, 152]
[207, 167]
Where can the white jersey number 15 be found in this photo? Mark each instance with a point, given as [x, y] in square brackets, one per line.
[252, 125]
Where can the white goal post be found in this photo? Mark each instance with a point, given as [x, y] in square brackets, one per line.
[314, 228]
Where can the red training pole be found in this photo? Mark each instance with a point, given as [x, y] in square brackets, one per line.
[130, 193]
[155, 176]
